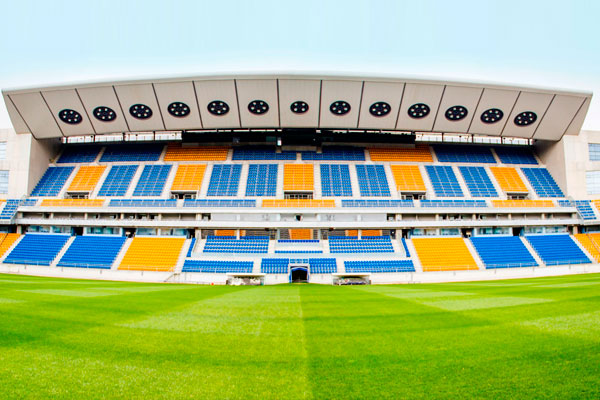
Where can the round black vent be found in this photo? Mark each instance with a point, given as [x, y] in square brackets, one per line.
[69, 116]
[218, 107]
[456, 113]
[380, 109]
[525, 118]
[140, 111]
[339, 107]
[418, 110]
[178, 109]
[105, 114]
[299, 107]
[492, 115]
[258, 107]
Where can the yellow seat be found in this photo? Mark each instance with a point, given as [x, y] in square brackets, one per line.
[444, 254]
[591, 242]
[72, 203]
[300, 234]
[526, 203]
[298, 177]
[175, 152]
[509, 180]
[152, 254]
[298, 203]
[86, 178]
[420, 153]
[408, 178]
[188, 177]
[370, 232]
[225, 232]
[6, 241]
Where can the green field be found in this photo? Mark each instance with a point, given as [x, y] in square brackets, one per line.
[536, 338]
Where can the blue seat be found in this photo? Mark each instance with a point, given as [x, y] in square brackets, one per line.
[542, 182]
[372, 203]
[224, 203]
[143, 203]
[37, 249]
[274, 265]
[557, 249]
[247, 244]
[52, 181]
[464, 153]
[335, 153]
[348, 244]
[384, 266]
[132, 152]
[584, 208]
[118, 180]
[152, 181]
[79, 154]
[502, 252]
[224, 180]
[444, 181]
[478, 181]
[262, 180]
[335, 180]
[218, 267]
[515, 155]
[372, 181]
[92, 252]
[261, 153]
[322, 265]
[453, 203]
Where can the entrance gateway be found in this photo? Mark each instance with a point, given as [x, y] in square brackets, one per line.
[299, 270]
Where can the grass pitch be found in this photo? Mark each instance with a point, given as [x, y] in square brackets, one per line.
[536, 338]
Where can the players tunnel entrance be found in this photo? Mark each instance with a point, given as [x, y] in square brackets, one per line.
[299, 274]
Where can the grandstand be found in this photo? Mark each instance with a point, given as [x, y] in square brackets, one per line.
[408, 190]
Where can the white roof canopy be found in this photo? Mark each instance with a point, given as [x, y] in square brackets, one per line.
[296, 101]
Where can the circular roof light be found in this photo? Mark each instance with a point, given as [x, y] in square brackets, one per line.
[218, 107]
[140, 111]
[492, 115]
[69, 116]
[178, 109]
[104, 114]
[456, 113]
[380, 109]
[339, 107]
[299, 107]
[418, 110]
[525, 118]
[258, 107]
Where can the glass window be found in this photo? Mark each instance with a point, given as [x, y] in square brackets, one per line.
[592, 181]
[3, 182]
[594, 151]
[2, 150]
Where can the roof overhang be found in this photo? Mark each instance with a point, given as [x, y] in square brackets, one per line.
[36, 110]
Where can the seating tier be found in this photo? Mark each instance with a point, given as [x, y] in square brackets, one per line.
[92, 252]
[142, 254]
[37, 249]
[444, 254]
[502, 252]
[557, 249]
[335, 180]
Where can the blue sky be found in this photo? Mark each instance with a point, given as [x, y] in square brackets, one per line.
[541, 43]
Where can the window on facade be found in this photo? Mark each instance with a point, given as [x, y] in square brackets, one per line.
[3, 182]
[2, 150]
[592, 179]
[594, 151]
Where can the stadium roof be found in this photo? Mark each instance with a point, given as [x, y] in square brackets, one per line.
[297, 101]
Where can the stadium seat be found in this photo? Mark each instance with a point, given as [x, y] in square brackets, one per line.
[590, 242]
[522, 203]
[72, 203]
[246, 244]
[557, 249]
[79, 154]
[464, 154]
[92, 251]
[335, 180]
[52, 182]
[509, 180]
[132, 152]
[444, 254]
[444, 181]
[142, 255]
[384, 266]
[6, 241]
[453, 203]
[143, 203]
[262, 153]
[298, 203]
[478, 182]
[219, 203]
[86, 178]
[262, 180]
[372, 181]
[408, 178]
[177, 152]
[335, 153]
[502, 252]
[542, 182]
[515, 155]
[584, 208]
[362, 203]
[419, 153]
[152, 181]
[224, 180]
[298, 177]
[188, 178]
[37, 249]
[217, 267]
[373, 244]
[322, 265]
[118, 180]
[274, 266]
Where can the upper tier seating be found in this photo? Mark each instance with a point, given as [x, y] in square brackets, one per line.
[52, 182]
[374, 244]
[590, 242]
[322, 265]
[118, 180]
[298, 177]
[86, 178]
[72, 203]
[372, 181]
[79, 154]
[246, 244]
[92, 252]
[444, 254]
[379, 266]
[274, 266]
[515, 155]
[335, 153]
[408, 178]
[143, 203]
[218, 267]
[262, 180]
[152, 181]
[6, 241]
[478, 181]
[584, 208]
[224, 180]
[301, 235]
[335, 180]
[177, 152]
[37, 249]
[10, 209]
[377, 203]
[509, 180]
[420, 153]
[522, 203]
[298, 203]
[444, 181]
[142, 254]
[453, 203]
[188, 178]
[191, 248]
[542, 182]
[557, 249]
[464, 153]
[219, 203]
[132, 152]
[262, 153]
[503, 252]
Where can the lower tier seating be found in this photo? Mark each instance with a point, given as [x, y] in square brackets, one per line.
[342, 244]
[444, 254]
[379, 266]
[274, 265]
[322, 265]
[152, 254]
[6, 241]
[92, 252]
[502, 252]
[557, 249]
[590, 242]
[37, 249]
[218, 267]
